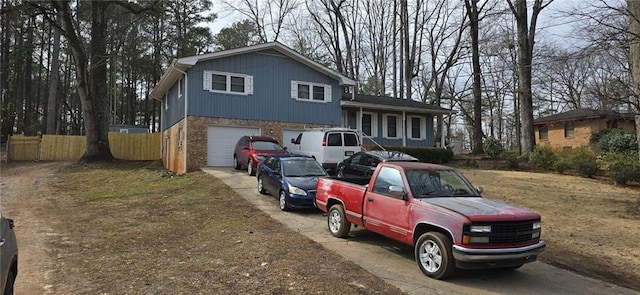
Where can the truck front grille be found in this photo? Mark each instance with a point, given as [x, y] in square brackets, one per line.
[507, 232]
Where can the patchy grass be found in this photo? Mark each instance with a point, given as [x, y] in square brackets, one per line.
[129, 228]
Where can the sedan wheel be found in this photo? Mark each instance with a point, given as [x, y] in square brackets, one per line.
[284, 206]
[261, 187]
[250, 168]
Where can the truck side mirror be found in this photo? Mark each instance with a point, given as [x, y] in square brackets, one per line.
[397, 192]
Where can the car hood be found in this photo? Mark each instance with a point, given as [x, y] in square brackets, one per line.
[304, 182]
[270, 152]
[478, 209]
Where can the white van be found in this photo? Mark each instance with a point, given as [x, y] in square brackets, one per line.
[327, 146]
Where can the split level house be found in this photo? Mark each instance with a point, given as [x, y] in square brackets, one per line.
[209, 101]
[574, 128]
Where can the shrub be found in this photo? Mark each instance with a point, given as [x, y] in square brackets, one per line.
[621, 167]
[616, 140]
[511, 158]
[427, 155]
[562, 164]
[543, 157]
[493, 148]
[584, 162]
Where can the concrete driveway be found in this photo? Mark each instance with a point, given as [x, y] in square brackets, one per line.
[394, 262]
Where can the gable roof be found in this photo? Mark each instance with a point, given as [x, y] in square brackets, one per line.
[582, 114]
[181, 65]
[390, 103]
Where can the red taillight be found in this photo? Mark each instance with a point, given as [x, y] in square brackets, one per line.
[324, 141]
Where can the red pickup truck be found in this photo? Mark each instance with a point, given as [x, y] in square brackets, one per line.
[436, 210]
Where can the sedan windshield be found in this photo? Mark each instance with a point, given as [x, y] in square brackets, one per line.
[302, 167]
[439, 183]
[266, 146]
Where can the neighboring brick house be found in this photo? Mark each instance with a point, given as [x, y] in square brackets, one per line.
[574, 128]
[209, 101]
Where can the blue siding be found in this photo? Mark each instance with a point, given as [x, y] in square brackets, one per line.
[175, 113]
[271, 99]
[429, 122]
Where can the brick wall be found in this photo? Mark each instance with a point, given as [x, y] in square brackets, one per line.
[198, 132]
[582, 133]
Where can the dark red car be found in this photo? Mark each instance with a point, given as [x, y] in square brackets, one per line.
[250, 150]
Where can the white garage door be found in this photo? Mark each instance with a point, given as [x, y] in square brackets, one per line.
[222, 140]
[287, 135]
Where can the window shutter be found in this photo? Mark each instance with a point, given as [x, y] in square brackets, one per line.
[206, 81]
[294, 89]
[327, 93]
[249, 84]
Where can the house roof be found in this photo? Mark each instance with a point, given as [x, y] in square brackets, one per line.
[582, 114]
[181, 65]
[390, 103]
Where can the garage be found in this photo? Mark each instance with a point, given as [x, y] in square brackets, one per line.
[221, 142]
[287, 135]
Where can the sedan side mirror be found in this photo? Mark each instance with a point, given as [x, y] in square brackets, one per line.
[480, 189]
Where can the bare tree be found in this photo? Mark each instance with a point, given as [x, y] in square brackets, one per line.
[633, 8]
[269, 17]
[53, 83]
[526, 41]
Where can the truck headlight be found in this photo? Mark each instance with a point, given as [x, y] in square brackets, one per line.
[537, 225]
[296, 190]
[480, 229]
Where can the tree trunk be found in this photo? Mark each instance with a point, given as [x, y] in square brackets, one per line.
[53, 83]
[526, 37]
[91, 83]
[472, 12]
[633, 7]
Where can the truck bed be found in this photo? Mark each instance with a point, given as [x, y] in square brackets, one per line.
[354, 180]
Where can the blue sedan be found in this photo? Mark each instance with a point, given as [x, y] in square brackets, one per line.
[292, 178]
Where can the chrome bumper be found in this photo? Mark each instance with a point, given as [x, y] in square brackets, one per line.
[485, 255]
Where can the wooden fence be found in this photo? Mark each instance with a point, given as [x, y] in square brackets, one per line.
[133, 146]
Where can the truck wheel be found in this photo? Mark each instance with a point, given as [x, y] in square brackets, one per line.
[261, 189]
[337, 221]
[236, 164]
[433, 255]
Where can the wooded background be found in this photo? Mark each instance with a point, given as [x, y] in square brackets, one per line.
[473, 57]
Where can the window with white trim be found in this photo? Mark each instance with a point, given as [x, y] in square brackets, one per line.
[180, 88]
[166, 102]
[345, 119]
[310, 91]
[391, 127]
[416, 128]
[369, 124]
[231, 83]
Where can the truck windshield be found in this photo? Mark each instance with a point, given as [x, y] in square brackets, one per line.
[439, 183]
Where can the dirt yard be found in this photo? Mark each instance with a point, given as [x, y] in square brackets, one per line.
[78, 233]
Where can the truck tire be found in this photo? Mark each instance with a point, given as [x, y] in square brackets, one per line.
[337, 221]
[433, 255]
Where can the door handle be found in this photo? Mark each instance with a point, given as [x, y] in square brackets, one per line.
[370, 200]
[2, 242]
